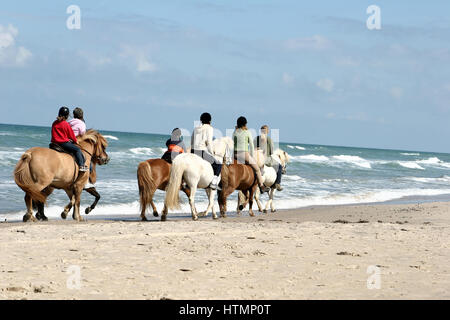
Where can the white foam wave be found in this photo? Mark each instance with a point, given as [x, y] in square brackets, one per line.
[433, 160]
[410, 154]
[145, 151]
[293, 178]
[299, 148]
[310, 158]
[355, 160]
[325, 198]
[111, 137]
[290, 147]
[410, 165]
[444, 179]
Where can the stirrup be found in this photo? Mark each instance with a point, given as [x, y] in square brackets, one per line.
[84, 168]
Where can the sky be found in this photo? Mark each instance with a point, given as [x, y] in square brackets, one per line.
[311, 69]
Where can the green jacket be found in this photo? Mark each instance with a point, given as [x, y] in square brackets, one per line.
[243, 141]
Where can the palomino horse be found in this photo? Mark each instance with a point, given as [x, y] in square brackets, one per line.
[153, 174]
[196, 173]
[269, 177]
[41, 170]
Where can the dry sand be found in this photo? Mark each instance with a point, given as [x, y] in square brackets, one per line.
[310, 253]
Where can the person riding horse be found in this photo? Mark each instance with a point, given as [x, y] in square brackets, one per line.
[175, 146]
[202, 145]
[264, 142]
[243, 150]
[63, 135]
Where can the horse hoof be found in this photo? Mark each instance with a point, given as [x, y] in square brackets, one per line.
[163, 218]
[241, 207]
[251, 214]
[87, 211]
[215, 217]
[28, 218]
[274, 210]
[155, 214]
[195, 218]
[64, 215]
[144, 218]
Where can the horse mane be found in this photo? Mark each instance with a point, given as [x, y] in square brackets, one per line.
[94, 136]
[282, 153]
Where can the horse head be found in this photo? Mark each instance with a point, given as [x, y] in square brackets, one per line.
[284, 158]
[99, 144]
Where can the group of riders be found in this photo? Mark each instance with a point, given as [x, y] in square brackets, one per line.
[65, 133]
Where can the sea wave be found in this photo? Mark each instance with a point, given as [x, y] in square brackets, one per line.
[410, 154]
[410, 165]
[111, 137]
[355, 160]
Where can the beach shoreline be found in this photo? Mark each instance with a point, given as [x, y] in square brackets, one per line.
[328, 252]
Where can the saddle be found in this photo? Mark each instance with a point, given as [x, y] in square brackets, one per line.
[58, 148]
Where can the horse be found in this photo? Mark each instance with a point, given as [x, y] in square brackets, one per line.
[270, 174]
[196, 173]
[153, 174]
[39, 206]
[41, 170]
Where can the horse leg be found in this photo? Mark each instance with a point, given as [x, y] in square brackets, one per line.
[76, 210]
[192, 203]
[164, 213]
[223, 200]
[29, 215]
[271, 200]
[40, 214]
[155, 211]
[258, 203]
[92, 191]
[70, 205]
[250, 201]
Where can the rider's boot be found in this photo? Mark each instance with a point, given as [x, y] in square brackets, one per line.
[215, 183]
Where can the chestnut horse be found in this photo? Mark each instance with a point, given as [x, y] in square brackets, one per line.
[237, 177]
[153, 174]
[41, 170]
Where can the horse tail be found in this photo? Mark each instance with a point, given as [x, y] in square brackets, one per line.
[24, 179]
[172, 200]
[146, 184]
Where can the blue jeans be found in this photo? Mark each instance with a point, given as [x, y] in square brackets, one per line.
[280, 168]
[76, 151]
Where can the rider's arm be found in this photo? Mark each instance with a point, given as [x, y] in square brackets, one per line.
[70, 133]
[250, 143]
[209, 141]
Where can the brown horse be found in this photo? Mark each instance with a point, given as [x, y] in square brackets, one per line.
[237, 177]
[41, 170]
[153, 174]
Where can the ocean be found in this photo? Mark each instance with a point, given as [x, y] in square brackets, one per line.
[316, 175]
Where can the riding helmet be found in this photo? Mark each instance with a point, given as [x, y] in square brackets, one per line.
[64, 112]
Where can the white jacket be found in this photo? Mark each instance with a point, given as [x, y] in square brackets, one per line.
[202, 138]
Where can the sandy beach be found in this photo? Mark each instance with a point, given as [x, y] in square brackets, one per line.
[310, 253]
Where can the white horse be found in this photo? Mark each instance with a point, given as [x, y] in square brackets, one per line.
[196, 173]
[269, 177]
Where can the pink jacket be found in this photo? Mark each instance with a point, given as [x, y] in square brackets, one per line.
[78, 127]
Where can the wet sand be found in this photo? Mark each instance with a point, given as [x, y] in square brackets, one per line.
[311, 253]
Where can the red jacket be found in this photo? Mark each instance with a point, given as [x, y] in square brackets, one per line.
[62, 132]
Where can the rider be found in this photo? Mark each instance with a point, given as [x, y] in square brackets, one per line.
[243, 150]
[202, 145]
[62, 135]
[77, 123]
[264, 142]
[175, 146]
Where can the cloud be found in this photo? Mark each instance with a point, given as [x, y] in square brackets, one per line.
[396, 92]
[315, 42]
[287, 78]
[139, 56]
[10, 54]
[325, 84]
